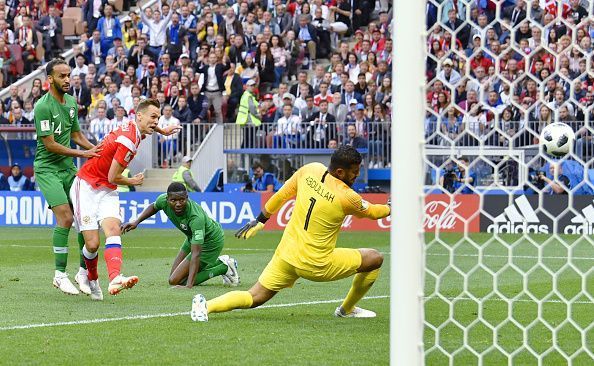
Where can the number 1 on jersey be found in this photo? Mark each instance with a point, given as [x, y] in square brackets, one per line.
[311, 206]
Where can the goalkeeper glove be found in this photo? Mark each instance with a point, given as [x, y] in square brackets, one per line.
[251, 228]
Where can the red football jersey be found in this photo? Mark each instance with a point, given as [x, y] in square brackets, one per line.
[119, 145]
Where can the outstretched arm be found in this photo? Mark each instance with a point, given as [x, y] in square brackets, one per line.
[145, 214]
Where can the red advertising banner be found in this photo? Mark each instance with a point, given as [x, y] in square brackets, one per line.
[442, 212]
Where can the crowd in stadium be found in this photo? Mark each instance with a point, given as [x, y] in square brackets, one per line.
[328, 59]
[497, 75]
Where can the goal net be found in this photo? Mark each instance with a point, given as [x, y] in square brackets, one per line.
[508, 246]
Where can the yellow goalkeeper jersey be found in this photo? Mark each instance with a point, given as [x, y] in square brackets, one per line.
[321, 204]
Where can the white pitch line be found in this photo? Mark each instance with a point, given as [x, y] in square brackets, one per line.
[513, 256]
[167, 315]
[483, 300]
[272, 250]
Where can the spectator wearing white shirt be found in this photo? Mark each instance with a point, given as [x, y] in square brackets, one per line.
[81, 68]
[300, 102]
[156, 28]
[288, 128]
[100, 126]
[167, 144]
[448, 74]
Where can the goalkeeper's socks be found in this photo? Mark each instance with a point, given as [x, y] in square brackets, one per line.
[81, 245]
[60, 243]
[361, 284]
[113, 256]
[229, 301]
[219, 268]
[91, 260]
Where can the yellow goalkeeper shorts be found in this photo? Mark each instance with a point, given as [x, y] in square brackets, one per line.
[279, 274]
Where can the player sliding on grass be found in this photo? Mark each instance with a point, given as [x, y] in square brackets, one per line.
[198, 259]
[308, 246]
[95, 199]
[56, 123]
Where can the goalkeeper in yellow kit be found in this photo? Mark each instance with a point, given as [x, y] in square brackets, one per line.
[308, 246]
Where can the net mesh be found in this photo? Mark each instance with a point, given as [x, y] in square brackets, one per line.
[509, 250]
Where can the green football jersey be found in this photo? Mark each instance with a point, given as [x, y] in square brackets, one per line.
[194, 223]
[60, 120]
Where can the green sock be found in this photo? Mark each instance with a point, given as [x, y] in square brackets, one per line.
[217, 269]
[60, 242]
[81, 244]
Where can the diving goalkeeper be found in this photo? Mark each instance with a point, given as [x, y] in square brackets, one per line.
[308, 246]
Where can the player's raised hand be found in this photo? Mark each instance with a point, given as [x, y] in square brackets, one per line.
[249, 230]
[129, 226]
[92, 153]
[170, 130]
[137, 180]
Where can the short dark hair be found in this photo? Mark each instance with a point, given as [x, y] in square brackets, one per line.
[176, 187]
[345, 156]
[146, 103]
[464, 159]
[257, 165]
[49, 68]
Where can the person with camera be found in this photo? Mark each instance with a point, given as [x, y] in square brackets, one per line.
[458, 178]
[555, 182]
[262, 181]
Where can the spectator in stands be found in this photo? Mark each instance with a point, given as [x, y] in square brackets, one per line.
[288, 129]
[232, 93]
[92, 12]
[109, 26]
[157, 27]
[198, 104]
[213, 85]
[96, 50]
[321, 127]
[354, 139]
[168, 147]
[182, 111]
[99, 126]
[27, 40]
[16, 117]
[176, 39]
[51, 27]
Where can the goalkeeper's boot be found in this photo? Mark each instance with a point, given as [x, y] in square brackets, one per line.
[96, 293]
[62, 282]
[82, 279]
[356, 313]
[121, 282]
[199, 312]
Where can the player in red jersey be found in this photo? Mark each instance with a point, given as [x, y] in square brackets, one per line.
[95, 198]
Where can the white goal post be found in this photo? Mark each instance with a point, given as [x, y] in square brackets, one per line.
[406, 240]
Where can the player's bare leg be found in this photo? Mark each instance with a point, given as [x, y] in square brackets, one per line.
[371, 261]
[221, 267]
[113, 257]
[90, 254]
[64, 220]
[254, 297]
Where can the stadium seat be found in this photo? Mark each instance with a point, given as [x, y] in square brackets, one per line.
[216, 182]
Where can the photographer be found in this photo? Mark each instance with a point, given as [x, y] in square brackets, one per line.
[555, 182]
[262, 181]
[459, 178]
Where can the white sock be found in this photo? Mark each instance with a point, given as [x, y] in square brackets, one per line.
[88, 254]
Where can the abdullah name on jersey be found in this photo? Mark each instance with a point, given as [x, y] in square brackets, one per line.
[119, 145]
[321, 204]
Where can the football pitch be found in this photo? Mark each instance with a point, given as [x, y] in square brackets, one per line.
[150, 324]
[469, 285]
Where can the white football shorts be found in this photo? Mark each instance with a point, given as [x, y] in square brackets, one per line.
[92, 205]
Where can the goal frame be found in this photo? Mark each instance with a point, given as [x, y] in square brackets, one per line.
[407, 236]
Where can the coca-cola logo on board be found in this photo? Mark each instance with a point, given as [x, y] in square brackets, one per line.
[440, 215]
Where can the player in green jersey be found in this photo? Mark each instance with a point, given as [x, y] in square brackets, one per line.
[56, 123]
[199, 257]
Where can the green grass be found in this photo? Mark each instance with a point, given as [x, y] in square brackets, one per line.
[492, 289]
[504, 295]
[298, 334]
